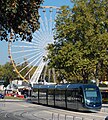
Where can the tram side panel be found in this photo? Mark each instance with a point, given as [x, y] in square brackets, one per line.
[51, 97]
[43, 96]
[71, 100]
[74, 99]
[35, 94]
[60, 100]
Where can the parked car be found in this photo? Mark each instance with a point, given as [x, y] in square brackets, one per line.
[1, 96]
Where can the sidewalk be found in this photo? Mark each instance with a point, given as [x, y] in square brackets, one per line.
[104, 108]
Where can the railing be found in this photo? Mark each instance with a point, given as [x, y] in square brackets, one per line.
[56, 116]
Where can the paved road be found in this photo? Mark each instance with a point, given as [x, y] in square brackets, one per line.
[21, 110]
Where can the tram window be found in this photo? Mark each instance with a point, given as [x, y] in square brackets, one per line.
[69, 95]
[73, 95]
[60, 95]
[50, 94]
[42, 92]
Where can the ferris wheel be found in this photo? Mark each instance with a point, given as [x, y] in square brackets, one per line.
[26, 57]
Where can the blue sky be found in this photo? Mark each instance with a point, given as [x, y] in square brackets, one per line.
[4, 45]
[3, 52]
[57, 3]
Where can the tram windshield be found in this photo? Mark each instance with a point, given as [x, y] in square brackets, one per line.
[91, 92]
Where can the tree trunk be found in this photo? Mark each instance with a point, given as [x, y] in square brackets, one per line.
[85, 76]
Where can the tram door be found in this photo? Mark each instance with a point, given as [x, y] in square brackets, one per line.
[72, 99]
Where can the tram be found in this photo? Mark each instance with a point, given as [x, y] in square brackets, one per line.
[83, 97]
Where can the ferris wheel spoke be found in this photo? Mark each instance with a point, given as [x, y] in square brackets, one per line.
[42, 25]
[29, 72]
[24, 56]
[33, 66]
[30, 43]
[37, 72]
[51, 23]
[46, 23]
[42, 43]
[28, 65]
[38, 40]
[38, 55]
[18, 46]
[40, 35]
[23, 51]
[42, 29]
[24, 43]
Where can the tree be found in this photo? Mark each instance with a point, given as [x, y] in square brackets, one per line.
[21, 16]
[81, 40]
[1, 72]
[8, 73]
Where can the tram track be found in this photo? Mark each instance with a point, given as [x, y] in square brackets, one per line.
[12, 116]
[25, 115]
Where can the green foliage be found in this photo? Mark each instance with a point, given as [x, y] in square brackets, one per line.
[81, 46]
[1, 72]
[19, 15]
[7, 73]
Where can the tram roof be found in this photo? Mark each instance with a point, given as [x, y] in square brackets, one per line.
[62, 86]
[44, 86]
[68, 86]
[51, 86]
[74, 86]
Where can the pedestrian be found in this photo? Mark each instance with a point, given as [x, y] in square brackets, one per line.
[106, 118]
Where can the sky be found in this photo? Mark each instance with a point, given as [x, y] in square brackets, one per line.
[4, 45]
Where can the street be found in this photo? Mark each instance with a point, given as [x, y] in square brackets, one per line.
[22, 110]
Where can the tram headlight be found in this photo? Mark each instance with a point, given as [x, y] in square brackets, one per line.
[88, 101]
